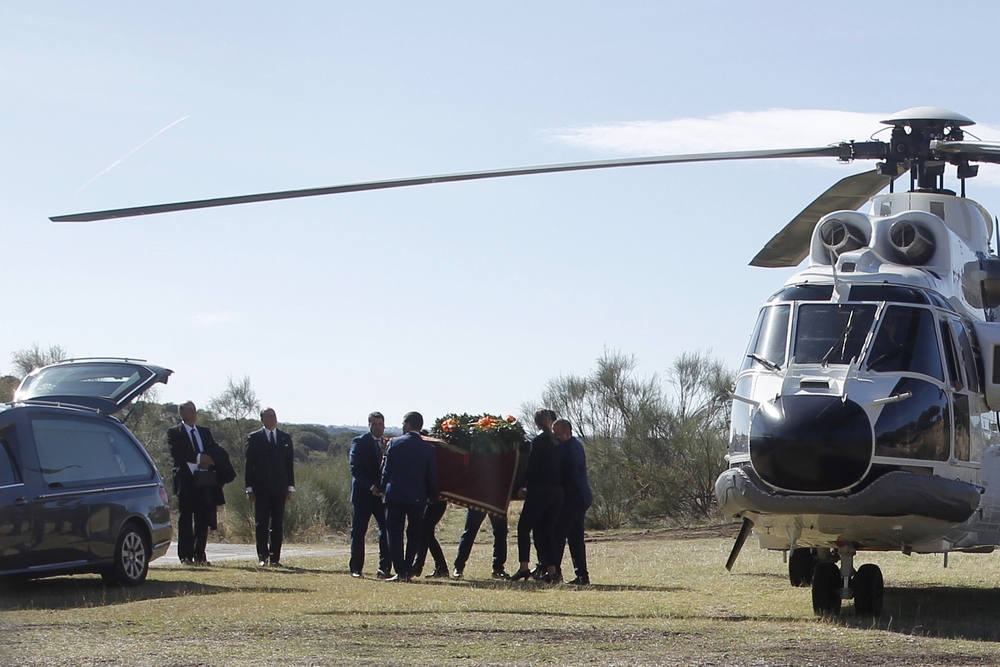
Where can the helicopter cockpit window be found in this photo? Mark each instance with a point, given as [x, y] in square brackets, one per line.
[831, 333]
[906, 342]
[767, 346]
[888, 293]
[972, 371]
[804, 292]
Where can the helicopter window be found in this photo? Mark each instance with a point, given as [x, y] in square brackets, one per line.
[916, 428]
[767, 346]
[804, 292]
[831, 333]
[739, 437]
[939, 302]
[951, 357]
[968, 359]
[887, 293]
[906, 342]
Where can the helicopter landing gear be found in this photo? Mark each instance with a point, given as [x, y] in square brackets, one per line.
[826, 589]
[801, 566]
[832, 584]
[868, 588]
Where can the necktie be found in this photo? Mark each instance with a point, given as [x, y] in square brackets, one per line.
[194, 441]
[270, 437]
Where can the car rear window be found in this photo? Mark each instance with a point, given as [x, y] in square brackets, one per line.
[74, 451]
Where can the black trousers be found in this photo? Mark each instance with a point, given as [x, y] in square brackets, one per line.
[540, 513]
[428, 542]
[192, 525]
[269, 513]
[398, 515]
[569, 528]
[364, 510]
[473, 520]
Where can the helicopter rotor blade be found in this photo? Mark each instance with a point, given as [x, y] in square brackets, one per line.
[977, 151]
[790, 246]
[841, 151]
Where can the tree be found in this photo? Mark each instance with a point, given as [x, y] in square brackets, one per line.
[29, 359]
[236, 410]
[650, 453]
[8, 384]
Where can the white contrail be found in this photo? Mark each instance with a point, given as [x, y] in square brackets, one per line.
[124, 157]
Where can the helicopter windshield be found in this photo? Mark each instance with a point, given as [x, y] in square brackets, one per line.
[831, 333]
[767, 346]
[906, 342]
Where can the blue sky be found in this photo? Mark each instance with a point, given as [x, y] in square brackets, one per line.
[460, 297]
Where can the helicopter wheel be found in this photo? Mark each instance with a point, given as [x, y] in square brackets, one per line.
[868, 588]
[826, 589]
[801, 566]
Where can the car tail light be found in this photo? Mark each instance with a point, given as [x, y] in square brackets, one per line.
[163, 496]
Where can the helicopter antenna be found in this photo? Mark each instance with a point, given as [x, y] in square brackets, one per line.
[996, 241]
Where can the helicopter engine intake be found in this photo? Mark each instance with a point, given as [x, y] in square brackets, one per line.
[839, 237]
[913, 243]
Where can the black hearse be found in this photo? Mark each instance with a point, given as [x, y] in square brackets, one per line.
[78, 493]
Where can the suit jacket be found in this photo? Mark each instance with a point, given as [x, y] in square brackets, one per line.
[409, 475]
[269, 469]
[182, 452]
[576, 488]
[365, 458]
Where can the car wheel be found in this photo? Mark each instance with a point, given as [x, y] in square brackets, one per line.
[131, 557]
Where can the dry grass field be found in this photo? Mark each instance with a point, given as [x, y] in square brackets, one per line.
[658, 599]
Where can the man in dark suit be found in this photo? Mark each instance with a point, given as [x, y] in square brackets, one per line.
[270, 482]
[190, 447]
[409, 482]
[365, 458]
[577, 498]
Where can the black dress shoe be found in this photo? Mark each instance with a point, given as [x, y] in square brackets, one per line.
[382, 574]
[262, 563]
[275, 563]
[457, 574]
[438, 573]
[521, 574]
[580, 581]
[500, 574]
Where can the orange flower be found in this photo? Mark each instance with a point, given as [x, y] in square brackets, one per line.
[511, 419]
[448, 425]
[486, 422]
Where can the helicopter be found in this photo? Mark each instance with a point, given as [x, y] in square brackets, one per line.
[865, 412]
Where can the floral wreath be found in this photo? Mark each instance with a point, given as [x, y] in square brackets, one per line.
[479, 434]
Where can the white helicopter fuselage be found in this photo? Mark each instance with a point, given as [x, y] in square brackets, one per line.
[864, 415]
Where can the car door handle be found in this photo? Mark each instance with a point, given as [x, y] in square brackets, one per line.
[21, 501]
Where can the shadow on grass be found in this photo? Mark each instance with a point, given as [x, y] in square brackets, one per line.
[551, 614]
[77, 592]
[935, 611]
[539, 586]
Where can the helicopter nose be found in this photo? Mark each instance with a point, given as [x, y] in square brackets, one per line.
[811, 443]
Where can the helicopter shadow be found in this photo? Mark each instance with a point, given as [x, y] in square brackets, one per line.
[935, 611]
